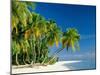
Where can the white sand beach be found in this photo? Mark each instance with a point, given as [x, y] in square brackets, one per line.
[58, 66]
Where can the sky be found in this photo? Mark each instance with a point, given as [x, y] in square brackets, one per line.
[81, 17]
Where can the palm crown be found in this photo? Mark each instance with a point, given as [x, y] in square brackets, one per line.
[70, 39]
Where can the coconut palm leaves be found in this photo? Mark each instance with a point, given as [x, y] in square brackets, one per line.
[70, 39]
[20, 13]
[54, 33]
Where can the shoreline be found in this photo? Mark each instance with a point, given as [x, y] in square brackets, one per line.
[58, 66]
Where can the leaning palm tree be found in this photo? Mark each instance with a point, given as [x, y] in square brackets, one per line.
[52, 35]
[70, 38]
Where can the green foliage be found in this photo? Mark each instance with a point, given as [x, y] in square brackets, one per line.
[70, 39]
[15, 47]
[32, 35]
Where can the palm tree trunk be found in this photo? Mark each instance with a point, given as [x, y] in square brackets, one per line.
[33, 52]
[38, 50]
[56, 52]
[44, 58]
[24, 59]
[27, 57]
[34, 57]
[17, 59]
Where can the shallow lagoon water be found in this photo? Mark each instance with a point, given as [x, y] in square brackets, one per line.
[82, 65]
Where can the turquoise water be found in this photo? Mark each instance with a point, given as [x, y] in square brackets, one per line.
[87, 58]
[84, 64]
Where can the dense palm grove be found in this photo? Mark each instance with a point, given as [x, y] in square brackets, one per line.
[32, 35]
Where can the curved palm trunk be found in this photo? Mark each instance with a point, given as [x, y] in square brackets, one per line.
[56, 52]
[45, 58]
[17, 59]
[38, 42]
[46, 52]
[33, 52]
[24, 59]
[27, 57]
[34, 55]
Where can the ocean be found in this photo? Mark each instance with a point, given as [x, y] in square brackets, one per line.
[84, 64]
[87, 58]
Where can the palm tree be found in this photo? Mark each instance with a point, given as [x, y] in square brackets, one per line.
[21, 17]
[38, 30]
[20, 13]
[70, 38]
[54, 33]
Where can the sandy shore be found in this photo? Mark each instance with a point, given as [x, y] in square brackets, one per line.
[59, 66]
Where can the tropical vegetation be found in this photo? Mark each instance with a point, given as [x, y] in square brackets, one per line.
[32, 35]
